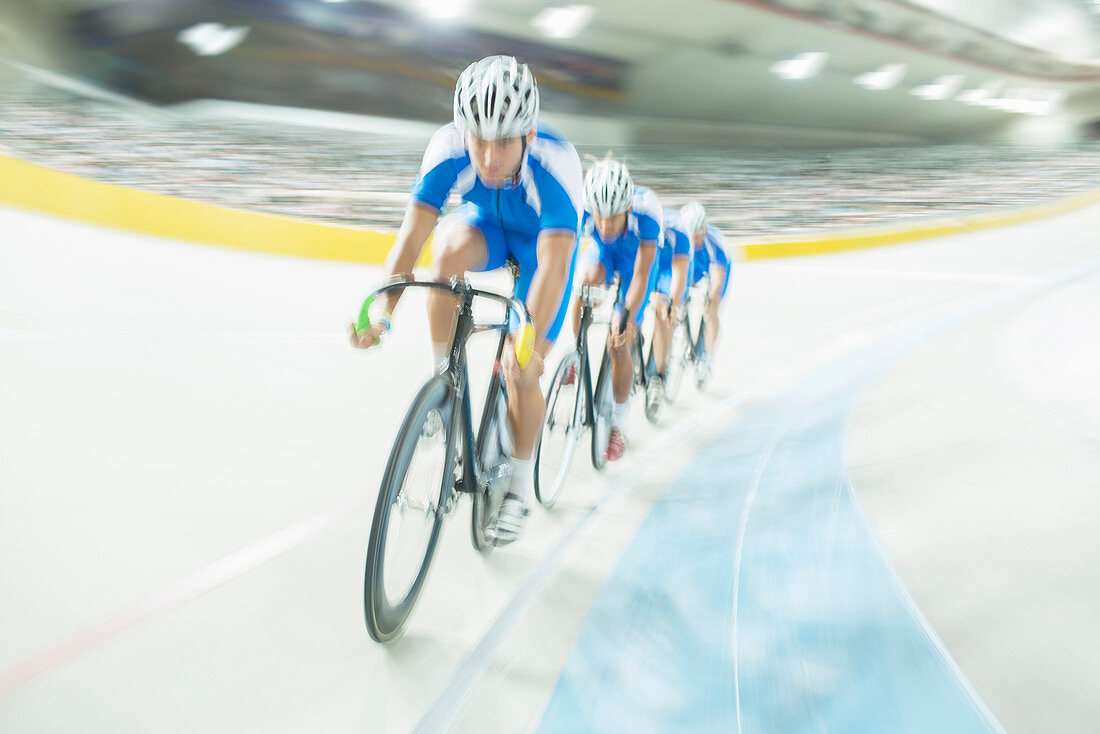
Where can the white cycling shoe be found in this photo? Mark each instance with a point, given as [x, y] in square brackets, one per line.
[510, 520]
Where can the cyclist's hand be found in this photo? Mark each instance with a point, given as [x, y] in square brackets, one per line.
[517, 376]
[623, 340]
[367, 338]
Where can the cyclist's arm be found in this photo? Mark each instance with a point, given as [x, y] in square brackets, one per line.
[679, 279]
[640, 282]
[555, 251]
[420, 219]
[717, 278]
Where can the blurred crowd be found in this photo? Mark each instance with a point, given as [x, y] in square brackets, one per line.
[362, 180]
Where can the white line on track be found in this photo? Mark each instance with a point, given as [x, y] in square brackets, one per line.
[185, 590]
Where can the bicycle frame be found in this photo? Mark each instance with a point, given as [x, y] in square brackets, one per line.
[696, 342]
[456, 370]
[585, 367]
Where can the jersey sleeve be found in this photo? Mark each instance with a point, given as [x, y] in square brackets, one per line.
[439, 170]
[650, 216]
[559, 187]
[716, 243]
[681, 243]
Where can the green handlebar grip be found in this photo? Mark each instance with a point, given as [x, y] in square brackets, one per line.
[364, 316]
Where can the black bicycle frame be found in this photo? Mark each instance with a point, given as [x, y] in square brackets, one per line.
[585, 367]
[458, 374]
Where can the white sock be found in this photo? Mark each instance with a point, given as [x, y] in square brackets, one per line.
[440, 353]
[523, 477]
[618, 415]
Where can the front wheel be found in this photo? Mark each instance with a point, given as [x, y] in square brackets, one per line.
[494, 475]
[560, 431]
[702, 358]
[415, 488]
[603, 403]
[679, 354]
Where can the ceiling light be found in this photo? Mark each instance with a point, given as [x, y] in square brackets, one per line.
[212, 39]
[802, 66]
[563, 21]
[1027, 101]
[942, 88]
[885, 78]
[442, 9]
[989, 90]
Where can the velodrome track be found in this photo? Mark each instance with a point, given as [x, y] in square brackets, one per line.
[878, 518]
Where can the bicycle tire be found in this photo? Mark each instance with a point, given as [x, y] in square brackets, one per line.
[679, 354]
[702, 358]
[650, 382]
[547, 492]
[494, 450]
[385, 619]
[603, 401]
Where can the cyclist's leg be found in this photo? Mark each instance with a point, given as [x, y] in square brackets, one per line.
[622, 366]
[527, 404]
[719, 281]
[662, 329]
[622, 369]
[459, 245]
[592, 265]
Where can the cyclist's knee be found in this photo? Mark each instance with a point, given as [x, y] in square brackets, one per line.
[457, 250]
[593, 275]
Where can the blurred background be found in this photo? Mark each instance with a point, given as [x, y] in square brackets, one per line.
[781, 115]
[188, 425]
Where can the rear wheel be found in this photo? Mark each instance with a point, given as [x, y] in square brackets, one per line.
[418, 482]
[560, 431]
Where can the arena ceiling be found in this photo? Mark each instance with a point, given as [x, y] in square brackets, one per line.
[934, 70]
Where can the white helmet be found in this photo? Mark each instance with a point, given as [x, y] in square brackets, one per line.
[693, 217]
[608, 189]
[496, 98]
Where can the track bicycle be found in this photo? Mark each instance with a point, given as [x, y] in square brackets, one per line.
[575, 406]
[688, 347]
[436, 458]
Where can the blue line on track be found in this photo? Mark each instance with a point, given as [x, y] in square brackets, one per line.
[756, 598]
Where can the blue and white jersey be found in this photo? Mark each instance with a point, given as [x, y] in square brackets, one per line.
[545, 195]
[675, 241]
[712, 251]
[643, 224]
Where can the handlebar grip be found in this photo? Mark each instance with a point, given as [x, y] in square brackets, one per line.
[625, 318]
[364, 316]
[525, 344]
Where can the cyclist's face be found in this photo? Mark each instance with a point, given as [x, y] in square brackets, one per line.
[610, 227]
[697, 238]
[496, 161]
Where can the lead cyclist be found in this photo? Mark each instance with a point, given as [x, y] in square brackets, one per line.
[520, 182]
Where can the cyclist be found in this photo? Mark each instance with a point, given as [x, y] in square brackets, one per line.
[668, 284]
[624, 224]
[711, 261]
[522, 191]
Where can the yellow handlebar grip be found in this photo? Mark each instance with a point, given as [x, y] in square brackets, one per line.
[525, 344]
